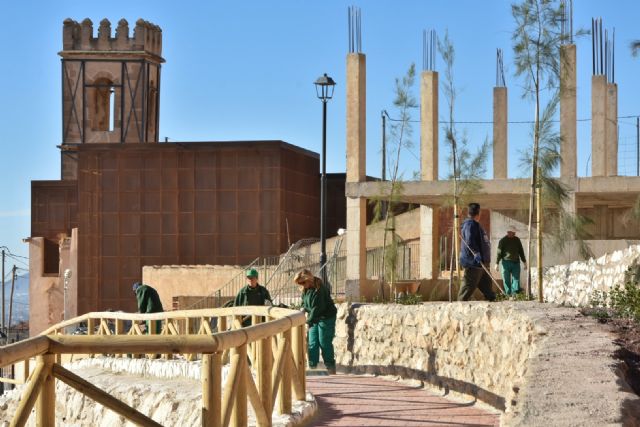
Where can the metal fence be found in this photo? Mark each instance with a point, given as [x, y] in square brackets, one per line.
[407, 262]
[277, 273]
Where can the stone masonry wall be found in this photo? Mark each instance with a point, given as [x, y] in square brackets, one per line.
[477, 349]
[573, 284]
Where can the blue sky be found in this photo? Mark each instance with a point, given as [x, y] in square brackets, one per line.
[244, 70]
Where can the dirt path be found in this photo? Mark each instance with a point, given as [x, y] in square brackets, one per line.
[573, 378]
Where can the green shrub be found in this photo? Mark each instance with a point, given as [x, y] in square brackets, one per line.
[625, 301]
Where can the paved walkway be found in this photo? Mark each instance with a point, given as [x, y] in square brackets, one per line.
[353, 400]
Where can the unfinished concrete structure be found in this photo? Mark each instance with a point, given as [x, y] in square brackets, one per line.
[604, 197]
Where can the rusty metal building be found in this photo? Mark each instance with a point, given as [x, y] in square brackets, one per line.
[125, 201]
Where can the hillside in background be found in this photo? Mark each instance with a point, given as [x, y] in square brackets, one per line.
[20, 310]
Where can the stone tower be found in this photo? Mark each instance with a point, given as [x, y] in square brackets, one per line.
[110, 86]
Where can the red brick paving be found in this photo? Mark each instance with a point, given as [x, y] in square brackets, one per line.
[353, 400]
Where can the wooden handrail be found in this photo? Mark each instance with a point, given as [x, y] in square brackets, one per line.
[249, 310]
[255, 342]
[25, 349]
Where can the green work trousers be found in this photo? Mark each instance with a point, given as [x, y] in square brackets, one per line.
[475, 277]
[320, 337]
[511, 276]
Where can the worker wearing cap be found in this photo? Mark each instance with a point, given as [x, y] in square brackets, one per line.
[321, 318]
[148, 302]
[510, 252]
[252, 294]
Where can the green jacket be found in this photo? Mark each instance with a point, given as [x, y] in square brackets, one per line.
[510, 248]
[252, 296]
[318, 304]
[148, 300]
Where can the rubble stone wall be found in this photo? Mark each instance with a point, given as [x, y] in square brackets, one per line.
[574, 284]
[476, 349]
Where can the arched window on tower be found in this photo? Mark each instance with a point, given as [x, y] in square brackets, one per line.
[102, 105]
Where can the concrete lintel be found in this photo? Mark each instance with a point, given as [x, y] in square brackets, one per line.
[506, 193]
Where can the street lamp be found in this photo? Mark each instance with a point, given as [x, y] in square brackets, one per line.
[324, 91]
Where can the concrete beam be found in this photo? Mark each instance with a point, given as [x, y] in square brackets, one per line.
[507, 193]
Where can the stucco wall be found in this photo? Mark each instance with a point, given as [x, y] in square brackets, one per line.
[192, 280]
[45, 291]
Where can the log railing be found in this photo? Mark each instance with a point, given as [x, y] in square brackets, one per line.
[273, 348]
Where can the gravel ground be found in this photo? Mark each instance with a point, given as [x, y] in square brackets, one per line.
[574, 378]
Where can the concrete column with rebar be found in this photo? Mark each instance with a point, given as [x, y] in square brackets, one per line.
[598, 125]
[568, 118]
[429, 126]
[611, 129]
[429, 220]
[500, 133]
[356, 172]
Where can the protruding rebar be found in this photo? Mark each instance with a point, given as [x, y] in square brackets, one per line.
[429, 42]
[603, 50]
[500, 80]
[355, 29]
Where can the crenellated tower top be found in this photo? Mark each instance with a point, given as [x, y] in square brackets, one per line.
[147, 37]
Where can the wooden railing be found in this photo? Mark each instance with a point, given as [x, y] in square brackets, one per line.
[274, 348]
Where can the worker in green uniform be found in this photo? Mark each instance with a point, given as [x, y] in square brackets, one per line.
[321, 318]
[148, 302]
[510, 252]
[252, 294]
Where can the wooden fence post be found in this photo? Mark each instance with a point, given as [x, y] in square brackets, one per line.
[284, 393]
[211, 389]
[46, 403]
[265, 385]
[239, 417]
[298, 346]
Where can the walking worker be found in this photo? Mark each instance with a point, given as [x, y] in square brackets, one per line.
[148, 302]
[510, 252]
[321, 318]
[252, 293]
[475, 257]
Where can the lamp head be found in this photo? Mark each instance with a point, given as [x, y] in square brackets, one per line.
[324, 87]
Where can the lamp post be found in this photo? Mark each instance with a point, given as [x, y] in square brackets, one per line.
[324, 91]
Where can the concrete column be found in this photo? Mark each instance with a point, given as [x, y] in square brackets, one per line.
[611, 131]
[429, 126]
[500, 133]
[568, 118]
[598, 125]
[601, 222]
[356, 120]
[429, 242]
[356, 172]
[356, 247]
